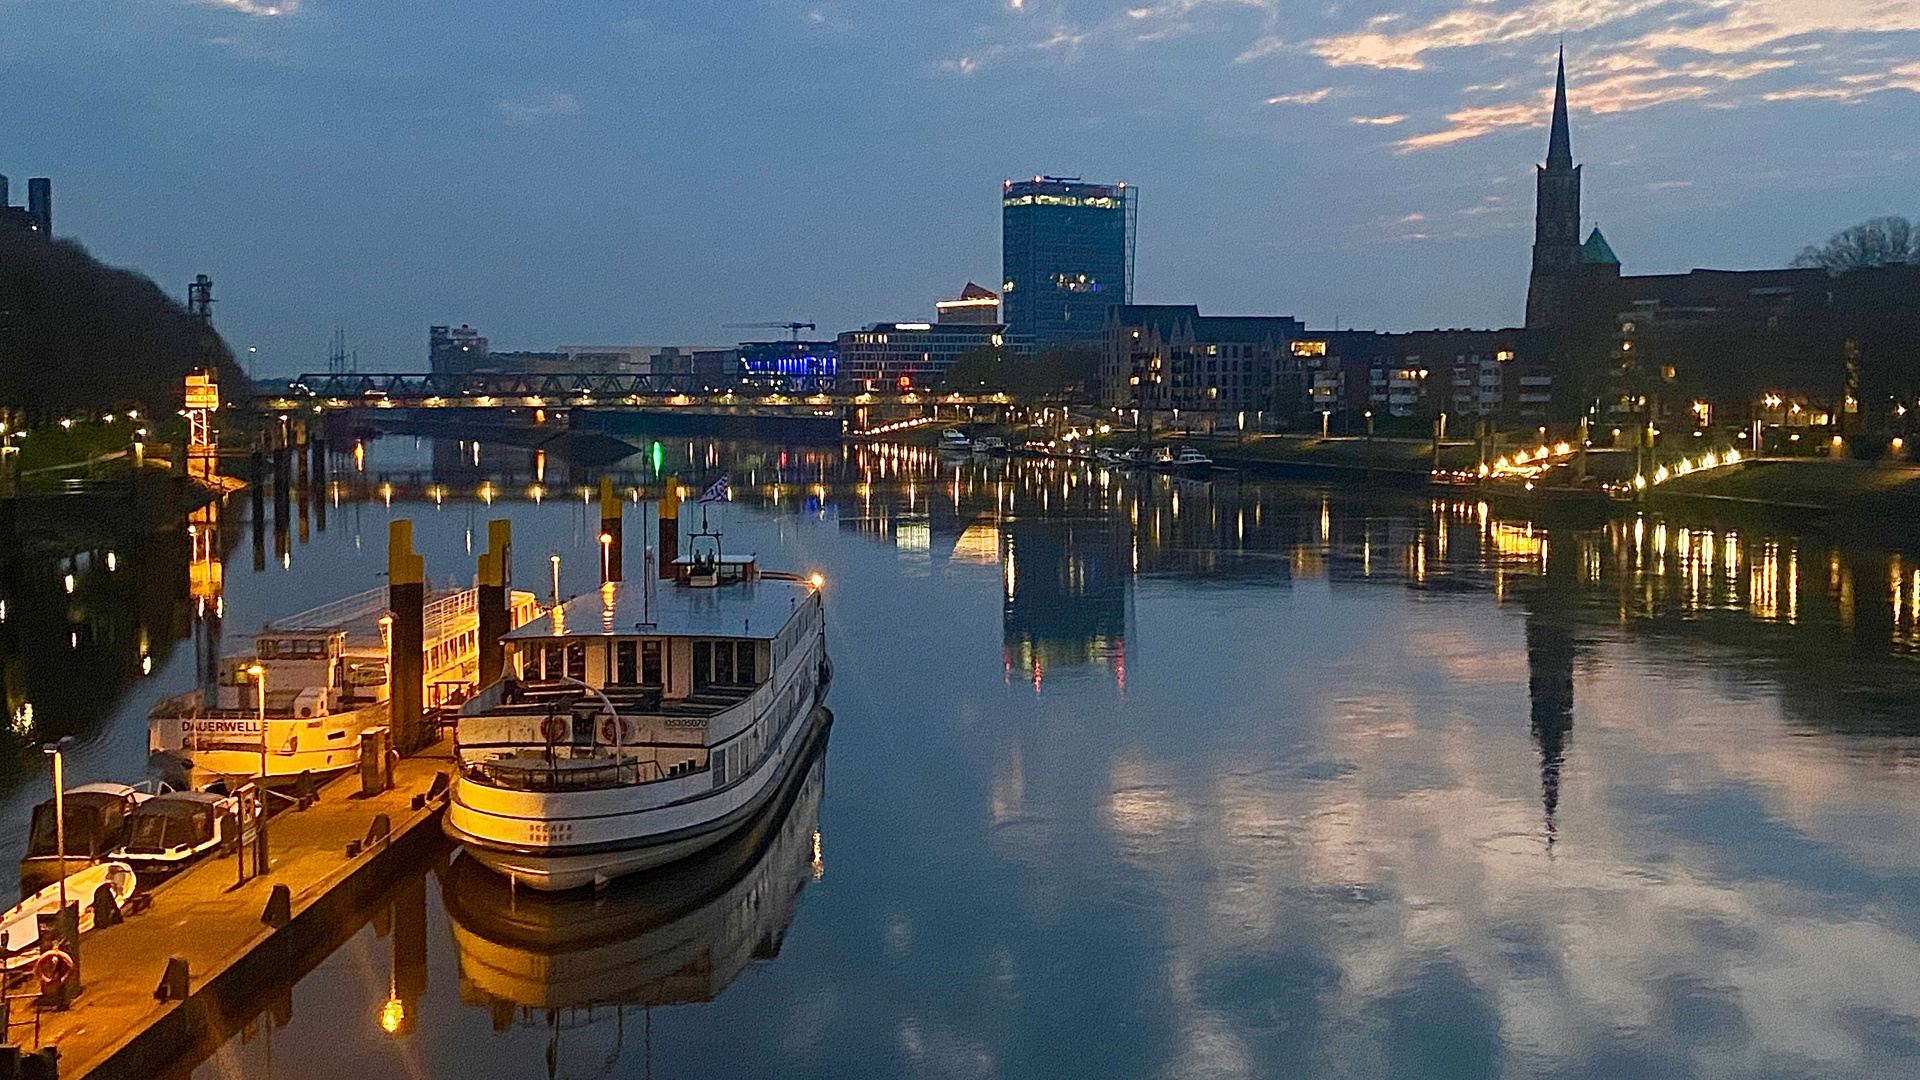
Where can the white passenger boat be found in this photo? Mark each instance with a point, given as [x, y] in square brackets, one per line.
[298, 704]
[314, 683]
[641, 723]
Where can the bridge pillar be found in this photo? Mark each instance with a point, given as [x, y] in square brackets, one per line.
[669, 527]
[610, 531]
[496, 577]
[406, 601]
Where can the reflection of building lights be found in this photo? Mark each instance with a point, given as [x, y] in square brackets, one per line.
[392, 1015]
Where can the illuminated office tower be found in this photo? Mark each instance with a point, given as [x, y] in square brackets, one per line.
[1067, 254]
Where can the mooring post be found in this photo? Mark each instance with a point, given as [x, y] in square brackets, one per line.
[406, 601]
[496, 616]
[669, 527]
[611, 510]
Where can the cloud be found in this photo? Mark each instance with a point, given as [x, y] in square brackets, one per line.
[1266, 46]
[1475, 122]
[1382, 121]
[1308, 97]
[538, 106]
[1848, 89]
[250, 7]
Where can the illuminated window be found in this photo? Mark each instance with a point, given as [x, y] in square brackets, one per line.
[1309, 348]
[1503, 355]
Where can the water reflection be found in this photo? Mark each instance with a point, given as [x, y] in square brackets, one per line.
[583, 968]
[1137, 777]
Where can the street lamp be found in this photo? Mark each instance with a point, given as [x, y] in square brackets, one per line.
[260, 684]
[555, 559]
[606, 556]
[55, 750]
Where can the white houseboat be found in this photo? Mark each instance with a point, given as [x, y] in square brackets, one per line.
[640, 723]
[314, 683]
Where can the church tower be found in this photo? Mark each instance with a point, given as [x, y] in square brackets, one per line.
[1556, 220]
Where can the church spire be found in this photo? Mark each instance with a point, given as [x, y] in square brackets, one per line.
[1560, 143]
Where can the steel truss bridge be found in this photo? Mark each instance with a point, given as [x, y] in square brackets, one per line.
[518, 390]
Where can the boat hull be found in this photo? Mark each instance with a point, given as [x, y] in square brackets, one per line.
[654, 837]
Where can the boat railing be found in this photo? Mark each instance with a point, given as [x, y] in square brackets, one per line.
[439, 617]
[338, 613]
[541, 776]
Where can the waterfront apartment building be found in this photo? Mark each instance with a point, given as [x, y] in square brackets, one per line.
[1169, 356]
[36, 216]
[1501, 375]
[1066, 255]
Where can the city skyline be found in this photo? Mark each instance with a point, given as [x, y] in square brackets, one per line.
[1366, 167]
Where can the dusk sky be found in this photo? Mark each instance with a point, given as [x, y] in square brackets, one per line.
[602, 172]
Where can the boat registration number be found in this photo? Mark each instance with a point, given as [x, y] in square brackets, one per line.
[550, 832]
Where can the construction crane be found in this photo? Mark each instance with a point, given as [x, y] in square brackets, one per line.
[793, 328]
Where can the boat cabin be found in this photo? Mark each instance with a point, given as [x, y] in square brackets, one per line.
[176, 826]
[308, 673]
[674, 661]
[98, 816]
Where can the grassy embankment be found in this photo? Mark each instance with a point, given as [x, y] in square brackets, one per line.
[1866, 491]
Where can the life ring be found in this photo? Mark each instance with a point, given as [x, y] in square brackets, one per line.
[53, 966]
[612, 735]
[554, 729]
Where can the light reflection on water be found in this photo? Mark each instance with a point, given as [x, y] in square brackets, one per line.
[1142, 777]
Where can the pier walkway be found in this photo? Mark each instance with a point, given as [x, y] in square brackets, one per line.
[118, 1028]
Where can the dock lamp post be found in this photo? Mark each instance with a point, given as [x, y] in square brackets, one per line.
[56, 751]
[555, 560]
[260, 685]
[606, 557]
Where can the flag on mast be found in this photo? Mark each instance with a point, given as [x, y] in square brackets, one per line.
[716, 493]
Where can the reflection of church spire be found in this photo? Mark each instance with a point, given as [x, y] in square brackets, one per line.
[1550, 653]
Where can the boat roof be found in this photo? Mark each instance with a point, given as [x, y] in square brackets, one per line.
[755, 609]
[176, 804]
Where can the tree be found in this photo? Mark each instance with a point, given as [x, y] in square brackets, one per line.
[76, 334]
[1881, 241]
[1062, 369]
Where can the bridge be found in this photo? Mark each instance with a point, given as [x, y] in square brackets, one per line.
[390, 390]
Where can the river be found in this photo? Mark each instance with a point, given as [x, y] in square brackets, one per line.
[1142, 777]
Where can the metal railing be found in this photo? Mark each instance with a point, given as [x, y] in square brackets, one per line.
[338, 613]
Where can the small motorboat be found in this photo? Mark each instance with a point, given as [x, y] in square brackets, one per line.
[1192, 461]
[955, 441]
[97, 815]
[169, 832]
[992, 444]
[1184, 460]
[20, 926]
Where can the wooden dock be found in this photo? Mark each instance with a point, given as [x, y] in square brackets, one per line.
[118, 1027]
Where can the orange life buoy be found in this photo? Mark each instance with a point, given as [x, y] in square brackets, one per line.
[53, 966]
[554, 729]
[611, 735]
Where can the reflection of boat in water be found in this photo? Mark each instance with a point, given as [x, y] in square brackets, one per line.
[680, 935]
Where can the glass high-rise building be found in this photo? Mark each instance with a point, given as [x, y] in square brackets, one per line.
[1066, 248]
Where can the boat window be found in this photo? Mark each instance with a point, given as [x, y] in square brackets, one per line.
[577, 660]
[702, 663]
[149, 834]
[650, 666]
[743, 663]
[625, 662]
[723, 664]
